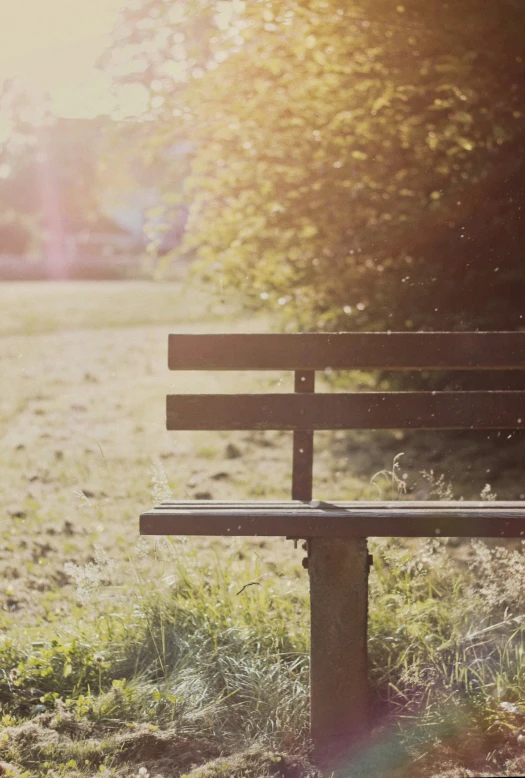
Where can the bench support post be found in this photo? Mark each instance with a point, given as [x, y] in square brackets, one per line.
[338, 567]
[338, 570]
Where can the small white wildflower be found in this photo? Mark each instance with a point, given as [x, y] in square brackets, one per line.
[101, 557]
[235, 544]
[500, 572]
[487, 493]
[161, 489]
[89, 577]
[438, 486]
[509, 707]
[142, 548]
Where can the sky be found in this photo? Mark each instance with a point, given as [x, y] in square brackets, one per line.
[52, 46]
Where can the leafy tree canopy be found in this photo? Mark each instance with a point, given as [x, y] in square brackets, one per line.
[355, 165]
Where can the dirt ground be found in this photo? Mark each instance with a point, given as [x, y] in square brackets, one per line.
[84, 377]
[82, 424]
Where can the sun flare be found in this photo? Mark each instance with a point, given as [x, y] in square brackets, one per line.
[51, 47]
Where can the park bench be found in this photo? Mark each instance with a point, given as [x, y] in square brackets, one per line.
[336, 532]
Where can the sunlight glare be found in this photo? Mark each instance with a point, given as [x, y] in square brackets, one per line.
[52, 47]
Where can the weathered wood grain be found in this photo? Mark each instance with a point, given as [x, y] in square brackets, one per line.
[364, 410]
[303, 444]
[341, 519]
[349, 350]
[339, 690]
[442, 505]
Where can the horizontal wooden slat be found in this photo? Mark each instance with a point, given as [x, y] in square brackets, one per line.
[365, 410]
[340, 519]
[349, 350]
[410, 505]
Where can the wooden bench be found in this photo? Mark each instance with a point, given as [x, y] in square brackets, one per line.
[336, 532]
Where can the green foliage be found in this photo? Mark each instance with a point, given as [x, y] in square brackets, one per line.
[354, 165]
[196, 653]
[223, 666]
[41, 672]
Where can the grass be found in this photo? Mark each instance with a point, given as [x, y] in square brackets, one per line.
[34, 307]
[196, 656]
[219, 662]
[191, 658]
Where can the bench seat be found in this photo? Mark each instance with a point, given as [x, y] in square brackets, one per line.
[337, 560]
[293, 518]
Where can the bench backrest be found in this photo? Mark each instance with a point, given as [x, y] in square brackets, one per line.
[304, 411]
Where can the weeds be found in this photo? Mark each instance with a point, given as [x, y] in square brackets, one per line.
[190, 654]
[202, 666]
[438, 487]
[224, 669]
[161, 490]
[89, 577]
[395, 482]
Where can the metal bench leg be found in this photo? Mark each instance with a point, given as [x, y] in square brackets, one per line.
[339, 706]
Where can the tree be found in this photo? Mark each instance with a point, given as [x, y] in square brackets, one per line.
[48, 171]
[355, 165]
[19, 230]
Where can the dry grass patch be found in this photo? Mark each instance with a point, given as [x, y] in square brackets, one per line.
[143, 653]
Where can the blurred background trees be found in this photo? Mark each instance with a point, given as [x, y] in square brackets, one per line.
[19, 227]
[54, 205]
[352, 165]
